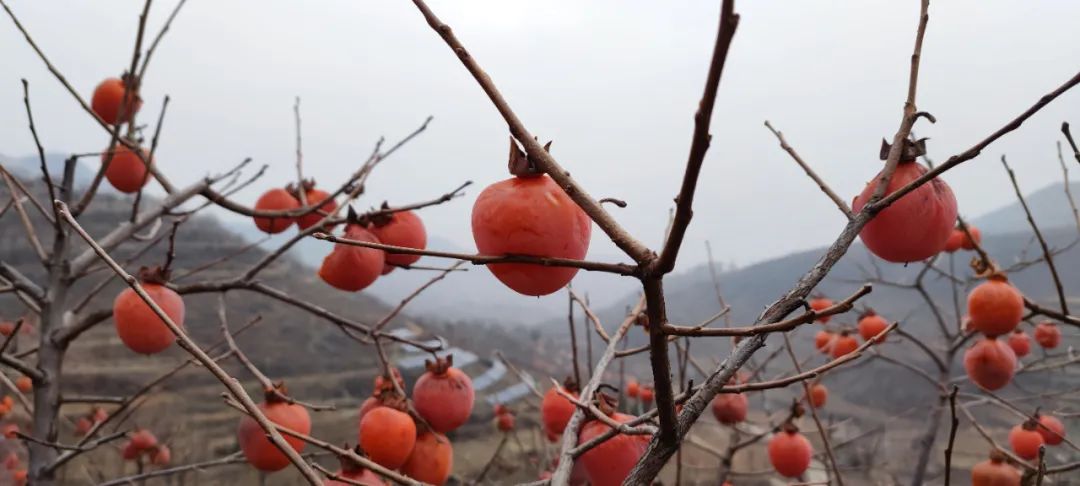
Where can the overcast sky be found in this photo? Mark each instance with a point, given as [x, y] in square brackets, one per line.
[613, 82]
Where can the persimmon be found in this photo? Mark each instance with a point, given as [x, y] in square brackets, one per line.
[388, 436]
[109, 102]
[256, 446]
[11, 461]
[82, 426]
[844, 344]
[143, 439]
[790, 451]
[871, 324]
[995, 306]
[529, 214]
[126, 171]
[818, 395]
[969, 243]
[277, 199]
[1025, 439]
[955, 241]
[138, 326]
[400, 229]
[10, 431]
[646, 394]
[917, 225]
[556, 410]
[356, 473]
[99, 414]
[730, 408]
[431, 460]
[995, 472]
[353, 268]
[1019, 342]
[368, 405]
[633, 388]
[1052, 430]
[161, 456]
[315, 197]
[24, 384]
[6, 328]
[609, 463]
[504, 422]
[443, 395]
[129, 452]
[819, 304]
[990, 363]
[19, 476]
[822, 341]
[1047, 335]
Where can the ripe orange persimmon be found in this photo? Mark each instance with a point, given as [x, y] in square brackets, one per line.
[990, 363]
[1052, 430]
[19, 476]
[504, 422]
[633, 389]
[790, 451]
[844, 344]
[531, 215]
[368, 405]
[995, 472]
[730, 408]
[871, 324]
[917, 225]
[143, 439]
[126, 171]
[443, 395]
[1047, 335]
[315, 197]
[1019, 342]
[995, 306]
[818, 395]
[161, 456]
[556, 410]
[110, 104]
[819, 304]
[1025, 440]
[400, 229]
[276, 199]
[956, 239]
[257, 448]
[388, 436]
[431, 460]
[969, 243]
[24, 384]
[353, 268]
[609, 463]
[823, 341]
[138, 326]
[354, 472]
[82, 426]
[6, 328]
[646, 394]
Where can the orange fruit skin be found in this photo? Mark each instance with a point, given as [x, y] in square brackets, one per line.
[257, 448]
[969, 243]
[353, 268]
[139, 327]
[555, 412]
[126, 172]
[1020, 343]
[843, 345]
[1047, 335]
[362, 476]
[445, 401]
[990, 363]
[995, 307]
[730, 408]
[820, 305]
[818, 395]
[790, 453]
[994, 473]
[322, 199]
[609, 463]
[1025, 443]
[916, 226]
[955, 241]
[1054, 431]
[405, 229]
[872, 325]
[431, 460]
[387, 436]
[632, 389]
[24, 384]
[822, 340]
[108, 98]
[277, 199]
[530, 216]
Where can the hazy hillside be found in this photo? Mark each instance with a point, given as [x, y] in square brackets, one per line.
[28, 168]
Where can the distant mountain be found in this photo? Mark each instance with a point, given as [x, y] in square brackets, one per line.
[29, 168]
[1049, 205]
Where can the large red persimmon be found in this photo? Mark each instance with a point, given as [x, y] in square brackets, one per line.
[917, 225]
[530, 216]
[995, 306]
[609, 463]
[444, 395]
[431, 460]
[276, 199]
[257, 448]
[730, 408]
[138, 326]
[126, 171]
[400, 229]
[790, 452]
[990, 363]
[110, 104]
[388, 436]
[353, 268]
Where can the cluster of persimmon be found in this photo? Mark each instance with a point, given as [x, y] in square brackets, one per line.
[387, 434]
[1026, 438]
[116, 101]
[143, 444]
[7, 404]
[995, 308]
[643, 394]
[504, 418]
[841, 342]
[16, 471]
[85, 423]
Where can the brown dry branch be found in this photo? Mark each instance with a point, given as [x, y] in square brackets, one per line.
[813, 411]
[840, 204]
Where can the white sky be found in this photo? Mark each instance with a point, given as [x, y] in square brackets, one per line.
[613, 82]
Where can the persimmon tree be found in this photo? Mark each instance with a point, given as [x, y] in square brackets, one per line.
[401, 431]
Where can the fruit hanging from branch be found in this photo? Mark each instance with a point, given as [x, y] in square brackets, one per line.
[126, 171]
[1025, 439]
[790, 451]
[529, 214]
[353, 268]
[277, 199]
[431, 460]
[314, 197]
[995, 472]
[387, 433]
[990, 363]
[112, 101]
[443, 395]
[1047, 335]
[140, 329]
[256, 446]
[556, 410]
[995, 306]
[400, 229]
